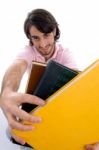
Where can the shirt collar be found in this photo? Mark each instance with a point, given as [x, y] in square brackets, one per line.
[53, 56]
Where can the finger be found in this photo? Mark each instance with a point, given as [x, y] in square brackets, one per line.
[13, 123]
[23, 115]
[32, 99]
[89, 147]
[19, 126]
[18, 139]
[94, 146]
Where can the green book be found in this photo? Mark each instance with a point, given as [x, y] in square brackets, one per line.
[54, 77]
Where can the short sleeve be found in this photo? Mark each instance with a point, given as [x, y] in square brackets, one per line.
[67, 59]
[26, 54]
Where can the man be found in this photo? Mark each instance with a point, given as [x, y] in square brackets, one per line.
[42, 30]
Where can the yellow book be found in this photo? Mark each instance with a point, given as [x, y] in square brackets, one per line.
[70, 119]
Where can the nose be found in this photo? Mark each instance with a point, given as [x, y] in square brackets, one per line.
[43, 43]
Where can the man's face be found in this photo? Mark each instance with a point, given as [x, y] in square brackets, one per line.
[44, 43]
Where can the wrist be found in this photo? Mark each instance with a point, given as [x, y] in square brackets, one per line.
[6, 91]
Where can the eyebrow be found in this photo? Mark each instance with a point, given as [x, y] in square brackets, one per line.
[34, 36]
[37, 37]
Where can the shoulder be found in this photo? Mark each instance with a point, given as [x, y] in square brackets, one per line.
[66, 57]
[62, 51]
[28, 49]
[27, 54]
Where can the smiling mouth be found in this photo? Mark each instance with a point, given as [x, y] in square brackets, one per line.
[45, 48]
[45, 51]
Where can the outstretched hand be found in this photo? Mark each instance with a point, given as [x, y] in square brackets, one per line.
[10, 103]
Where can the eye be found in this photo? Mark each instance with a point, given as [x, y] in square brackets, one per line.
[34, 38]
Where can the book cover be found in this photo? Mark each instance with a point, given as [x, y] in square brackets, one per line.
[44, 80]
[70, 117]
[55, 76]
[35, 74]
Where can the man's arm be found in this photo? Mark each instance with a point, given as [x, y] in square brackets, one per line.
[10, 99]
[13, 76]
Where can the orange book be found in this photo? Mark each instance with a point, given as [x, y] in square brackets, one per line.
[36, 72]
[70, 119]
[35, 75]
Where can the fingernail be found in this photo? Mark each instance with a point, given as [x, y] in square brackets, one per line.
[22, 142]
[88, 147]
[36, 120]
[42, 103]
[30, 127]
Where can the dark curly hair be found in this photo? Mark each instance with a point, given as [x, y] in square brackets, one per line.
[43, 20]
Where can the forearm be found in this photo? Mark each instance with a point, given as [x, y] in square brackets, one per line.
[13, 76]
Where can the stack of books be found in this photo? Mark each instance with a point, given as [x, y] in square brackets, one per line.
[70, 117]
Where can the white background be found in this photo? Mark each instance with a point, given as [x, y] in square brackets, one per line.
[78, 21]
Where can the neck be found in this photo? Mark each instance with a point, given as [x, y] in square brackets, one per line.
[51, 54]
